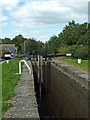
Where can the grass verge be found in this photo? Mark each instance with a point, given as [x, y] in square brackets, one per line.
[83, 65]
[0, 91]
[9, 81]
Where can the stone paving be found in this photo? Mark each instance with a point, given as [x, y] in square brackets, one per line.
[25, 104]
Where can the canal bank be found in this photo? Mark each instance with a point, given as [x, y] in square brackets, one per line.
[25, 103]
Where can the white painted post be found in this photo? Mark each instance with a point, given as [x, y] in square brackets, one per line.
[25, 64]
[7, 61]
[79, 61]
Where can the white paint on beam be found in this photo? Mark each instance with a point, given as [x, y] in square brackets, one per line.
[68, 54]
[7, 55]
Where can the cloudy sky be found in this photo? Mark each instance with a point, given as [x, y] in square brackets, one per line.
[39, 18]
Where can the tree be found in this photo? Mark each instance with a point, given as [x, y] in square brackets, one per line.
[7, 41]
[33, 47]
[53, 45]
[45, 50]
[74, 34]
[68, 36]
[18, 41]
[70, 39]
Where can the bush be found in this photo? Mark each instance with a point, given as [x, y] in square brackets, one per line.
[81, 52]
[5, 52]
[67, 49]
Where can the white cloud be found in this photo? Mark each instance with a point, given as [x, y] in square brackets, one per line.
[3, 21]
[35, 32]
[9, 5]
[6, 5]
[42, 13]
[46, 13]
[19, 31]
[49, 13]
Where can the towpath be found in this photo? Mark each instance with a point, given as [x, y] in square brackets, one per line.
[2, 62]
[25, 104]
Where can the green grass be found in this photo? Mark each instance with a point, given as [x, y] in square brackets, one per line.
[83, 65]
[9, 81]
[0, 90]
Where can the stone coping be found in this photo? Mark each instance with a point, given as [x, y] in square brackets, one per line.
[77, 74]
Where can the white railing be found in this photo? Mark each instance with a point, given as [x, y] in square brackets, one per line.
[26, 66]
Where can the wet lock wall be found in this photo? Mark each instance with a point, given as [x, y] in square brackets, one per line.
[61, 96]
[44, 104]
[71, 101]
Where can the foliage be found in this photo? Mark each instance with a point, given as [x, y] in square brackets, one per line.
[18, 41]
[74, 34]
[7, 41]
[5, 52]
[53, 45]
[33, 47]
[72, 37]
[67, 49]
[45, 50]
[9, 81]
[81, 52]
[30, 46]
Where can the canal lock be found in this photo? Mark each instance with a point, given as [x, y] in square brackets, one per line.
[58, 96]
[45, 108]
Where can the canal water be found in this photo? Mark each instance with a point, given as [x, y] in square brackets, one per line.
[44, 107]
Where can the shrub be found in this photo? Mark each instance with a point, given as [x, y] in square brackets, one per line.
[81, 52]
[5, 52]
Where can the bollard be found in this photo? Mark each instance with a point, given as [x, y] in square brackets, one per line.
[7, 61]
[79, 61]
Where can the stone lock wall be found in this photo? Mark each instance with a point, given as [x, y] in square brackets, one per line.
[68, 98]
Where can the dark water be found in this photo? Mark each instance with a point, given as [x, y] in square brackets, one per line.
[44, 106]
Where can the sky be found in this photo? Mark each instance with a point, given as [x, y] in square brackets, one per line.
[40, 19]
